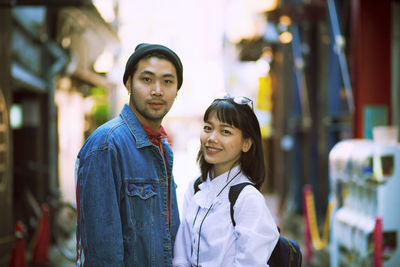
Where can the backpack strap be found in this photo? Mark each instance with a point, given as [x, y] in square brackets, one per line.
[196, 184]
[234, 192]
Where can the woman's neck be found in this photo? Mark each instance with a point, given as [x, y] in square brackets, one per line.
[215, 172]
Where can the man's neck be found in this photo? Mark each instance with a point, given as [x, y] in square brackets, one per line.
[152, 124]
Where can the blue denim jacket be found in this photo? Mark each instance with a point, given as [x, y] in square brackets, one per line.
[122, 197]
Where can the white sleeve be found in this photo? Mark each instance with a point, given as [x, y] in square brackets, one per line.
[183, 238]
[255, 231]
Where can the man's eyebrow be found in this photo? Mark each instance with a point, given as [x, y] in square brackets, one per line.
[146, 72]
[169, 75]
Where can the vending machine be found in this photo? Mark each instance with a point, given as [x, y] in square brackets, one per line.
[365, 182]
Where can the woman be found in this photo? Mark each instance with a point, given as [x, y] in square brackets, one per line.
[230, 154]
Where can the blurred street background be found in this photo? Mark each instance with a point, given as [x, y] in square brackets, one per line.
[323, 74]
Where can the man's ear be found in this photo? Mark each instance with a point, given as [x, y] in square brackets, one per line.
[128, 84]
[247, 143]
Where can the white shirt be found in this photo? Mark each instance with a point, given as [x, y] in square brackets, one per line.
[249, 243]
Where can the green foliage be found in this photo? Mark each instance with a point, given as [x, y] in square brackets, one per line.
[101, 114]
[101, 107]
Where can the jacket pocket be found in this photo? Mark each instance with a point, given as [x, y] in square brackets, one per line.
[142, 201]
[142, 216]
[141, 190]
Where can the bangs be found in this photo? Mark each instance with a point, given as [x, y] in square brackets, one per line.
[226, 112]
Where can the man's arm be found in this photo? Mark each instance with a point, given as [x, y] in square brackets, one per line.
[100, 222]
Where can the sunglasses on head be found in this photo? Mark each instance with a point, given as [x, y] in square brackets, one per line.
[240, 100]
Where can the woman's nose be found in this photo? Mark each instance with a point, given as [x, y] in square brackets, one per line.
[212, 137]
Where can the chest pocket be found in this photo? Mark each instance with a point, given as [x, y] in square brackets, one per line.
[141, 190]
[142, 201]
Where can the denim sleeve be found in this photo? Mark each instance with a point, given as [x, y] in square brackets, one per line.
[100, 223]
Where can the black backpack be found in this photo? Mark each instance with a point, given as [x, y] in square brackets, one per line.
[286, 253]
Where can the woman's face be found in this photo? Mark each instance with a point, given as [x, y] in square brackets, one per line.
[222, 144]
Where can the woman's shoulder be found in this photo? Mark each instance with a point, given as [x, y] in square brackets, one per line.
[193, 185]
[248, 192]
[243, 179]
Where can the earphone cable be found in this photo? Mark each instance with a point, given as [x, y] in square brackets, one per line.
[201, 224]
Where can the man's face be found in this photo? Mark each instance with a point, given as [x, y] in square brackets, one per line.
[153, 88]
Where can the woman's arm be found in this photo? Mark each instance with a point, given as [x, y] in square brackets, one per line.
[183, 238]
[256, 231]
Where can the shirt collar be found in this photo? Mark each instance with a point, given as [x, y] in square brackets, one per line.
[136, 128]
[220, 181]
[210, 189]
[155, 135]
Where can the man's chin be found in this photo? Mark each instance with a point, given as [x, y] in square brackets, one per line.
[156, 115]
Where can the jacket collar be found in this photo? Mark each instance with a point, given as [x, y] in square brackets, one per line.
[135, 127]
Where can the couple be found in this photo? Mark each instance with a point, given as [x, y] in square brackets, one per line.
[126, 194]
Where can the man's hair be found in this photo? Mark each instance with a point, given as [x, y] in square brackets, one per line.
[242, 117]
[143, 50]
[149, 55]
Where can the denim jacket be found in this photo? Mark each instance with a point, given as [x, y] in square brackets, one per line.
[122, 197]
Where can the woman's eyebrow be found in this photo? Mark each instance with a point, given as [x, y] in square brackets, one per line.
[224, 124]
[228, 126]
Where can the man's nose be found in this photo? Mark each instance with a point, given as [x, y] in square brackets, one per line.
[157, 89]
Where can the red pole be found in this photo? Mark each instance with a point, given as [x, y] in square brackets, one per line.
[18, 251]
[307, 234]
[370, 42]
[42, 242]
[378, 242]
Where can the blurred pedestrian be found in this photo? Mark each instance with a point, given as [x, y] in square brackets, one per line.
[230, 154]
[126, 194]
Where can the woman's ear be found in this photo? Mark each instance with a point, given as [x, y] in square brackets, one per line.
[247, 143]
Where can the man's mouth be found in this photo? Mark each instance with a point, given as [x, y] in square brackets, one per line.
[156, 104]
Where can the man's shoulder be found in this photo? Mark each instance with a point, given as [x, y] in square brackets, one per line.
[103, 136]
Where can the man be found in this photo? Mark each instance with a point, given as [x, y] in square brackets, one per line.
[126, 197]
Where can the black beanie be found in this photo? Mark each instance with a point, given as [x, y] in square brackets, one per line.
[143, 49]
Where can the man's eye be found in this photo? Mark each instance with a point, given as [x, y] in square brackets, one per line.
[146, 79]
[169, 81]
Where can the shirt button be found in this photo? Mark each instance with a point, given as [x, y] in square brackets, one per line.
[163, 212]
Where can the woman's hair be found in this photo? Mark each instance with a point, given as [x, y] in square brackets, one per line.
[243, 118]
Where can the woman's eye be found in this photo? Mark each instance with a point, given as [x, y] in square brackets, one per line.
[146, 79]
[226, 132]
[206, 128]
